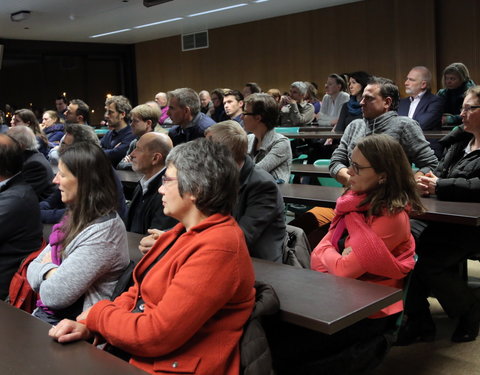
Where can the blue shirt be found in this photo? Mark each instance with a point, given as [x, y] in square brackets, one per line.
[115, 143]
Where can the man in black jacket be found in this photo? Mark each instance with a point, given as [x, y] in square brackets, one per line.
[146, 208]
[20, 226]
[259, 209]
[36, 170]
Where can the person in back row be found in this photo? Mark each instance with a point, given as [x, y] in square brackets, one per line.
[294, 110]
[184, 110]
[269, 150]
[20, 226]
[259, 209]
[87, 250]
[144, 120]
[146, 209]
[115, 143]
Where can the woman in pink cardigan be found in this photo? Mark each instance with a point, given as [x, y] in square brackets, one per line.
[369, 239]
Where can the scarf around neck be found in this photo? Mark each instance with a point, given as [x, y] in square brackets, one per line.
[354, 107]
[371, 251]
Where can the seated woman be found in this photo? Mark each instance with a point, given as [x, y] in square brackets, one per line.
[27, 118]
[456, 81]
[88, 248]
[269, 150]
[442, 247]
[369, 240]
[52, 126]
[335, 96]
[294, 109]
[217, 111]
[193, 290]
[352, 110]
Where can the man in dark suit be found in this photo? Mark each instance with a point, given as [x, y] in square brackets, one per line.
[421, 105]
[36, 170]
[259, 209]
[146, 208]
[20, 225]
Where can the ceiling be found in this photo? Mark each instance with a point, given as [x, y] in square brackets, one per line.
[78, 20]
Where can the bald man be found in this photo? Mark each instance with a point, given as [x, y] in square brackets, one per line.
[162, 101]
[146, 209]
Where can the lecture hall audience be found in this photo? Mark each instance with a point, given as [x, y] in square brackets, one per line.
[294, 109]
[88, 249]
[172, 317]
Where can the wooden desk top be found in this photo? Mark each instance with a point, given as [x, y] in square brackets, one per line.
[27, 349]
[465, 213]
[320, 301]
[318, 134]
[310, 170]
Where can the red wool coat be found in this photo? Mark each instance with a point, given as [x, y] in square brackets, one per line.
[197, 299]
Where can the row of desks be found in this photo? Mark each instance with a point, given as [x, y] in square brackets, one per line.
[465, 213]
[323, 134]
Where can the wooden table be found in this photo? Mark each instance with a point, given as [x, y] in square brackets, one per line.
[26, 349]
[320, 301]
[310, 170]
[465, 213]
[321, 134]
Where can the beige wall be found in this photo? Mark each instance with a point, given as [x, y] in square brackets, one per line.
[382, 37]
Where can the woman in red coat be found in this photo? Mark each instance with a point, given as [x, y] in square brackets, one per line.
[193, 291]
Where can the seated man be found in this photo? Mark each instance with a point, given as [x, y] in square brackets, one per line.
[146, 208]
[233, 104]
[421, 105]
[144, 120]
[52, 208]
[115, 143]
[20, 226]
[184, 110]
[295, 111]
[36, 170]
[162, 103]
[259, 209]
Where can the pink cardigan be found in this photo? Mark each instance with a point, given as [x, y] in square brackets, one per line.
[393, 230]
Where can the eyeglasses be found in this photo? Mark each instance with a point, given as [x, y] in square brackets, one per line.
[166, 179]
[469, 108]
[356, 167]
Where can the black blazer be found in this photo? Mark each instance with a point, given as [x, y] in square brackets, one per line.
[146, 211]
[260, 212]
[428, 112]
[20, 228]
[38, 173]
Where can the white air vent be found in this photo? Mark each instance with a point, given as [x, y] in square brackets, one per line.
[195, 41]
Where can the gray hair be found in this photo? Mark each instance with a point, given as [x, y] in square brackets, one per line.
[24, 136]
[426, 74]
[82, 133]
[207, 171]
[186, 97]
[300, 86]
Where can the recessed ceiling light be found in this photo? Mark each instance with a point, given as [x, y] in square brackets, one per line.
[158, 23]
[110, 33]
[217, 10]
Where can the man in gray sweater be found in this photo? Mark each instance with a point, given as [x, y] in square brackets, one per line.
[379, 104]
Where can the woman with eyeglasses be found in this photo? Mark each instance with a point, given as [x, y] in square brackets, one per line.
[269, 150]
[442, 247]
[370, 240]
[193, 291]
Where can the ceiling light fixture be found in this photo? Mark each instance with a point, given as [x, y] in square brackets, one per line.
[260, 1]
[158, 23]
[110, 33]
[217, 10]
[20, 16]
